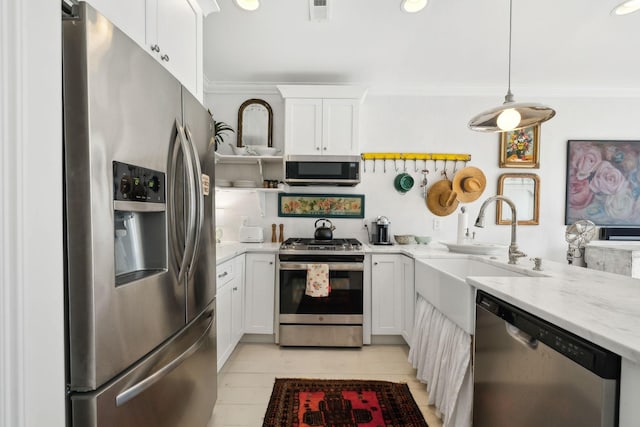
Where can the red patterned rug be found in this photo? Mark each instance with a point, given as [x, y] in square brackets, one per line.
[341, 403]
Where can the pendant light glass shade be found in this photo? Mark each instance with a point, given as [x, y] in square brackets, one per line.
[249, 5]
[413, 6]
[627, 7]
[511, 115]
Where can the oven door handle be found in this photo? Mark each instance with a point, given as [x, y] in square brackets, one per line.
[333, 266]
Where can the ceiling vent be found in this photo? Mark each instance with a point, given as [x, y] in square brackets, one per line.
[319, 10]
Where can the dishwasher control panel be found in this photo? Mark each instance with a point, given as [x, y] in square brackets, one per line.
[587, 354]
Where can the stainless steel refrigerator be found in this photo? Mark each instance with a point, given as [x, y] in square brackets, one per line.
[139, 236]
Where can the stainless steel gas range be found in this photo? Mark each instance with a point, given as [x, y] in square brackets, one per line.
[334, 320]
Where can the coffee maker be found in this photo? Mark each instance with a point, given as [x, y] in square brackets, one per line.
[380, 229]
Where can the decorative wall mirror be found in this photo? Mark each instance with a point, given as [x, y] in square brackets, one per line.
[524, 190]
[255, 123]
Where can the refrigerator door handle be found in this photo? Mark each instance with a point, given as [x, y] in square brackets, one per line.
[141, 386]
[199, 195]
[191, 218]
[178, 251]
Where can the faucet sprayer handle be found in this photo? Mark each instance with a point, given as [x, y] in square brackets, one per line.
[514, 254]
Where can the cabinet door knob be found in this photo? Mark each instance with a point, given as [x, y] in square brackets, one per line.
[223, 274]
[324, 148]
[270, 262]
[375, 263]
[165, 57]
[155, 48]
[235, 288]
[318, 148]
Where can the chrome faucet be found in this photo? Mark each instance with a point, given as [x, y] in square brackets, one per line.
[514, 253]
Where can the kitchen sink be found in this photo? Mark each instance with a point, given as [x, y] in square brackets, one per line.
[462, 268]
[442, 282]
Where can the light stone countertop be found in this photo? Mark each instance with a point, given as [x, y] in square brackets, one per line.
[227, 250]
[601, 307]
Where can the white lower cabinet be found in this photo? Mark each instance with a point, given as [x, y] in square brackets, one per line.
[409, 297]
[260, 293]
[229, 307]
[386, 294]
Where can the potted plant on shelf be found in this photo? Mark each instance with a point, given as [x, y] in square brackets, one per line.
[220, 130]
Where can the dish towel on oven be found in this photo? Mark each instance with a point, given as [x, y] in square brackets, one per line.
[318, 280]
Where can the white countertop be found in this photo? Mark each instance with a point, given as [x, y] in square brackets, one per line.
[601, 307]
[227, 250]
[614, 245]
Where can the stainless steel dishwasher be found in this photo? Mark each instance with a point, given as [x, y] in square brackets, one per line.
[528, 372]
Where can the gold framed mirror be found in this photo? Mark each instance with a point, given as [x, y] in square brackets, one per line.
[524, 190]
[255, 123]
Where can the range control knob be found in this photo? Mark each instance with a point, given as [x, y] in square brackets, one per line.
[154, 184]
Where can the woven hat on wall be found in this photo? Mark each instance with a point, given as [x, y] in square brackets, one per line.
[441, 199]
[469, 183]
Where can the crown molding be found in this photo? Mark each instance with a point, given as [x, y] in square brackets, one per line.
[520, 92]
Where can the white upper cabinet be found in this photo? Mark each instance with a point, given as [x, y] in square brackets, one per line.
[170, 30]
[174, 37]
[322, 120]
[128, 15]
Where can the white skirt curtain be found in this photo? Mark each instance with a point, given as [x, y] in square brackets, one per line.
[441, 352]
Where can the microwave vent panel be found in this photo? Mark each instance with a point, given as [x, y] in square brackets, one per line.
[319, 10]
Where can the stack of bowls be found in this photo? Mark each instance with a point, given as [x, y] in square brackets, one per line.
[423, 240]
[403, 182]
[404, 239]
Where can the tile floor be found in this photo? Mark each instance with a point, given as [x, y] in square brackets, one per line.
[246, 380]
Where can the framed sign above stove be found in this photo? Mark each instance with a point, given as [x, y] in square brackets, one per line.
[321, 205]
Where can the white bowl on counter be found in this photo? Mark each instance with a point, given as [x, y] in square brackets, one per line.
[475, 248]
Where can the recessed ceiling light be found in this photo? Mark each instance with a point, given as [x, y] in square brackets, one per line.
[626, 7]
[248, 4]
[413, 6]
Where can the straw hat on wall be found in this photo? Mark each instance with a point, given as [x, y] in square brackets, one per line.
[469, 183]
[441, 199]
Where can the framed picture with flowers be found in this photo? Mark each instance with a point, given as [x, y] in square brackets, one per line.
[321, 205]
[520, 148]
[603, 182]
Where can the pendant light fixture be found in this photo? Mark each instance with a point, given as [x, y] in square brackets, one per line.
[249, 5]
[626, 7]
[413, 6]
[511, 115]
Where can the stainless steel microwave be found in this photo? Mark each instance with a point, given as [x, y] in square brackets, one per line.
[322, 170]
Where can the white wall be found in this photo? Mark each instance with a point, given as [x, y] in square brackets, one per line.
[439, 124]
[32, 381]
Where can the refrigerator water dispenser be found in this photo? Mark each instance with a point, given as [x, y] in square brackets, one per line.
[139, 222]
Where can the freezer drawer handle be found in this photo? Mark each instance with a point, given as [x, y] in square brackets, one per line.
[141, 386]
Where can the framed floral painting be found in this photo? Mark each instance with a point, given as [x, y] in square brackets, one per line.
[321, 205]
[520, 148]
[603, 182]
